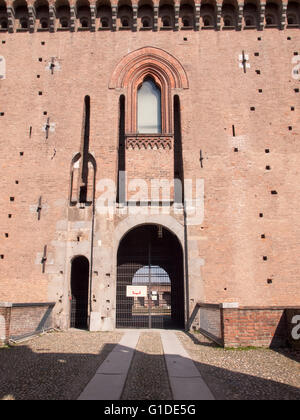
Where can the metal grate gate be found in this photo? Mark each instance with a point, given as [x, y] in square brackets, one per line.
[79, 291]
[147, 281]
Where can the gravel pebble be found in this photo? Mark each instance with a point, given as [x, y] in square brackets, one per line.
[257, 374]
[54, 366]
[58, 366]
[148, 378]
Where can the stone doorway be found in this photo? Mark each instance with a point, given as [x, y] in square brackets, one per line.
[150, 286]
[79, 292]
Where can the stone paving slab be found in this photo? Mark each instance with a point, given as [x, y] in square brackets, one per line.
[148, 376]
[109, 380]
[185, 379]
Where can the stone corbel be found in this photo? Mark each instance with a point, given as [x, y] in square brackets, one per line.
[155, 20]
[240, 17]
[11, 19]
[218, 16]
[197, 17]
[73, 18]
[52, 18]
[134, 17]
[114, 12]
[262, 12]
[176, 23]
[283, 16]
[93, 17]
[32, 18]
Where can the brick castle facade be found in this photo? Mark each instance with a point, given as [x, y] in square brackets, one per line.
[228, 75]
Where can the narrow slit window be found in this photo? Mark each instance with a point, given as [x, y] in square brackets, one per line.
[149, 107]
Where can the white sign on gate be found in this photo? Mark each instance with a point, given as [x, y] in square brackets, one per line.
[136, 291]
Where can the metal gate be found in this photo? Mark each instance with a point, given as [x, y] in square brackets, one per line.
[79, 292]
[147, 280]
[79, 312]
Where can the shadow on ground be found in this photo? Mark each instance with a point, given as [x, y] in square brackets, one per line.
[28, 375]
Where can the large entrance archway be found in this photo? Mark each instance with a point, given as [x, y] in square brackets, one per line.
[79, 292]
[150, 285]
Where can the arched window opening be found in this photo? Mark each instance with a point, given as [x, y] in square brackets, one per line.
[21, 13]
[207, 21]
[83, 13]
[4, 24]
[42, 14]
[63, 14]
[272, 14]
[293, 13]
[64, 22]
[146, 23]
[104, 23]
[186, 22]
[104, 14]
[270, 20]
[84, 22]
[24, 23]
[250, 15]
[166, 22]
[229, 15]
[249, 21]
[207, 13]
[149, 107]
[228, 22]
[163, 74]
[186, 14]
[125, 16]
[166, 14]
[145, 14]
[3, 16]
[44, 23]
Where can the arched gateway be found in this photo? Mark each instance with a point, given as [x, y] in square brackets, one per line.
[150, 285]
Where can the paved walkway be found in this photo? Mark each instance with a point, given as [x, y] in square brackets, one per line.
[185, 380]
[109, 380]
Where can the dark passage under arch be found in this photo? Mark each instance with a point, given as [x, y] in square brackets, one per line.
[80, 292]
[150, 286]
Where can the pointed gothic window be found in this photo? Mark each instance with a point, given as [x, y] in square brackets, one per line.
[149, 107]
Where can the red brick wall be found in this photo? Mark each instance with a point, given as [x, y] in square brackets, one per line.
[237, 184]
[150, 166]
[30, 318]
[254, 327]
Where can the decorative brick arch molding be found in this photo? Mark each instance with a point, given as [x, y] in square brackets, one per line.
[167, 72]
[134, 221]
[171, 224]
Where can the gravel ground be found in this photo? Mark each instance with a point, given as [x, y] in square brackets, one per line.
[54, 366]
[59, 366]
[148, 377]
[258, 374]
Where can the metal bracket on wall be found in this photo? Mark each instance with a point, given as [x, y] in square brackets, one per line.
[244, 61]
[52, 65]
[47, 127]
[39, 208]
[201, 159]
[44, 259]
